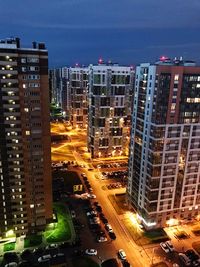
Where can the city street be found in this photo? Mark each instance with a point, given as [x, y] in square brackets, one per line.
[136, 255]
[74, 149]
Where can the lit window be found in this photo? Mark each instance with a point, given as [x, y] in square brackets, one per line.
[176, 77]
[23, 60]
[173, 106]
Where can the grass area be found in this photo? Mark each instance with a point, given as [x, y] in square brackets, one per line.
[154, 234]
[196, 246]
[144, 238]
[84, 262]
[135, 233]
[32, 241]
[9, 246]
[159, 264]
[60, 231]
[119, 203]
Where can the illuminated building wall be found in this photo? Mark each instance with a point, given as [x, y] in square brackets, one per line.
[25, 156]
[164, 155]
[59, 87]
[110, 97]
[78, 96]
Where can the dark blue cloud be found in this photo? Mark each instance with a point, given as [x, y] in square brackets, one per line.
[127, 31]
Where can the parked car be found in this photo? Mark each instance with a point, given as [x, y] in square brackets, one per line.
[11, 264]
[101, 239]
[92, 213]
[101, 233]
[112, 235]
[52, 246]
[125, 263]
[164, 247]
[92, 196]
[10, 257]
[170, 246]
[59, 255]
[91, 252]
[99, 208]
[44, 258]
[191, 254]
[64, 245]
[122, 254]
[184, 259]
[108, 227]
[26, 255]
[104, 220]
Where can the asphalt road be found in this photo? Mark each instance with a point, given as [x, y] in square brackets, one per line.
[137, 255]
[124, 240]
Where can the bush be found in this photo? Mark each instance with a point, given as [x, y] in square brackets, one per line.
[9, 246]
[32, 241]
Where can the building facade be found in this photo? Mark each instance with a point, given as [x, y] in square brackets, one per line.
[110, 94]
[25, 156]
[164, 170]
[58, 87]
[78, 96]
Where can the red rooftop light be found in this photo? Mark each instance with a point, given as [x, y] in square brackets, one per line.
[100, 60]
[163, 58]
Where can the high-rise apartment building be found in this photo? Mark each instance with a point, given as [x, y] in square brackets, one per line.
[78, 96]
[164, 159]
[58, 87]
[110, 94]
[25, 156]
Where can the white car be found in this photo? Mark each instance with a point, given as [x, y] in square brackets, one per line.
[91, 252]
[164, 247]
[170, 246]
[108, 227]
[52, 246]
[44, 258]
[96, 220]
[91, 213]
[122, 254]
[11, 264]
[58, 255]
[92, 196]
[101, 239]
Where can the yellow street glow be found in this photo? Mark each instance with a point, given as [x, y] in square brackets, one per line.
[172, 222]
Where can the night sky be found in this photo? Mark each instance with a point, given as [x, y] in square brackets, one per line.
[124, 31]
